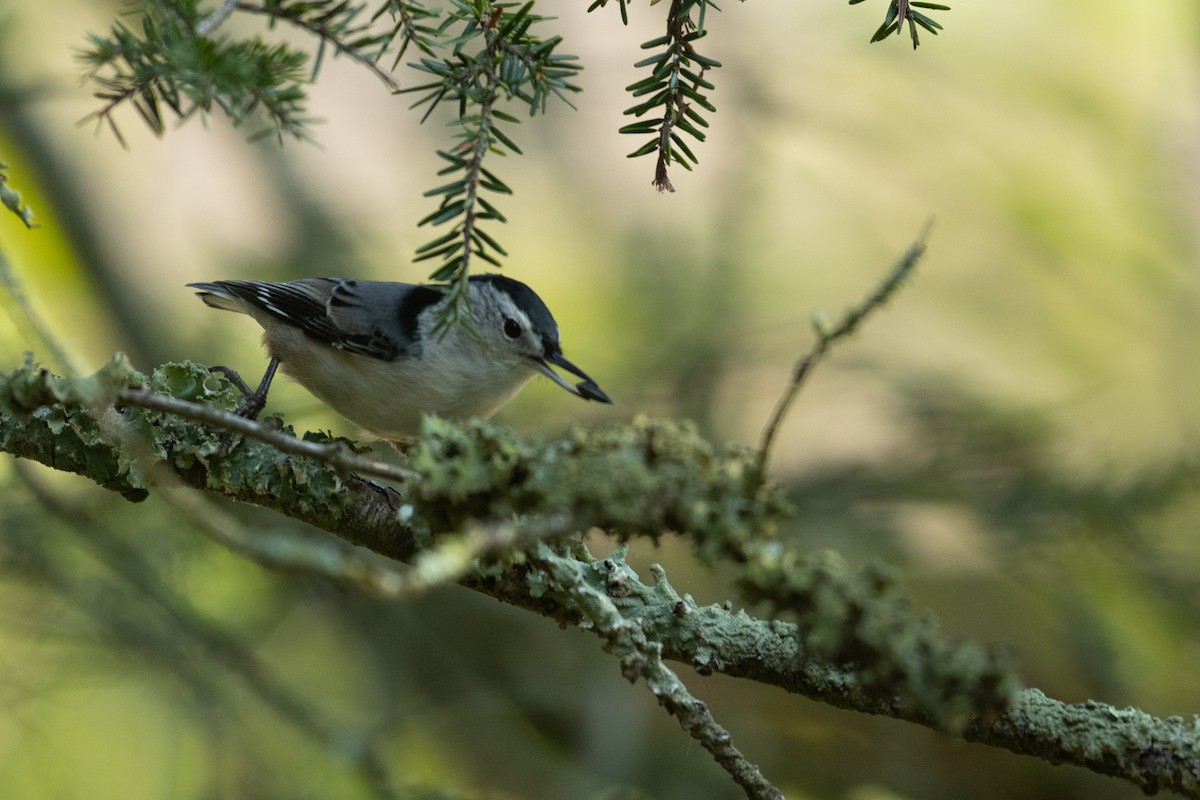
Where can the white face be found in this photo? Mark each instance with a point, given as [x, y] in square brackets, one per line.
[508, 332]
[518, 331]
[512, 336]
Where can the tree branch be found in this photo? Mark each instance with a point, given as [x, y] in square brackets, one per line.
[336, 452]
[214, 20]
[826, 337]
[641, 657]
[324, 33]
[476, 474]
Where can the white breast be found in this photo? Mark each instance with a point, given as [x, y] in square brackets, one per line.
[388, 398]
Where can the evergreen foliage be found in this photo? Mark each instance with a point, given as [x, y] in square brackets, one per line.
[490, 61]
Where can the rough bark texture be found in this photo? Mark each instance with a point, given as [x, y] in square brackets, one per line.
[82, 426]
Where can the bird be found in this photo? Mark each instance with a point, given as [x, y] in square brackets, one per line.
[375, 352]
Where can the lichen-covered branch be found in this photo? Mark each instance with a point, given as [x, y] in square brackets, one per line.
[643, 479]
[337, 452]
[641, 657]
[1153, 753]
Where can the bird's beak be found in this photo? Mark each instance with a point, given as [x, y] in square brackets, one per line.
[587, 388]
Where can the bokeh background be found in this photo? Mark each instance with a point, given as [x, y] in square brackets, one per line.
[1017, 432]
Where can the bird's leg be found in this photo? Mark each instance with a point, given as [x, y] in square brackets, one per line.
[234, 378]
[254, 399]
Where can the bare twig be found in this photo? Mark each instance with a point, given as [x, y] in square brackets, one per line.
[27, 316]
[827, 336]
[444, 562]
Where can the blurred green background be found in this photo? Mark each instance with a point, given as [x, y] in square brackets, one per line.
[1017, 431]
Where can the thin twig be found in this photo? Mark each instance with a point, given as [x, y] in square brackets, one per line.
[827, 336]
[902, 15]
[480, 149]
[674, 104]
[286, 552]
[214, 20]
[442, 563]
[29, 317]
[325, 36]
[641, 657]
[334, 453]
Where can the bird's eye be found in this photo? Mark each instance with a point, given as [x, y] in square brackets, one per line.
[512, 329]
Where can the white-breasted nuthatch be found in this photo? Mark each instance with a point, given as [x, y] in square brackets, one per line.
[369, 350]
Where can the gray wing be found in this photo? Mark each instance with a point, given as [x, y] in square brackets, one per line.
[370, 318]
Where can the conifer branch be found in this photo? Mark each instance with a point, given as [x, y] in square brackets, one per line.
[53, 420]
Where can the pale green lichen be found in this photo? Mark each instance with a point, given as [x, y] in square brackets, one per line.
[653, 477]
[857, 644]
[64, 420]
[11, 199]
[858, 618]
[602, 592]
[30, 386]
[187, 380]
[643, 479]
[230, 463]
[1153, 753]
[80, 425]
[646, 478]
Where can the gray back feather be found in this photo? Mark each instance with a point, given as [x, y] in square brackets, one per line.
[370, 318]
